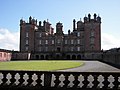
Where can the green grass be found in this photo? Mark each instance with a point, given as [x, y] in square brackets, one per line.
[39, 65]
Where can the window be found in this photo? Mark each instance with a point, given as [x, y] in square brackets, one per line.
[65, 41]
[58, 41]
[71, 41]
[78, 41]
[5, 55]
[52, 41]
[26, 41]
[46, 41]
[78, 48]
[40, 42]
[92, 40]
[26, 34]
[92, 33]
[71, 48]
[78, 34]
[40, 35]
[26, 48]
[0, 54]
[40, 49]
[46, 48]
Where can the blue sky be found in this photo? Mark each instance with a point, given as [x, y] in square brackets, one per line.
[58, 10]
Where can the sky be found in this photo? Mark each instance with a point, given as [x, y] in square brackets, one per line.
[11, 11]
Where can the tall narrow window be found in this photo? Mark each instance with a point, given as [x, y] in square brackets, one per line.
[40, 34]
[78, 48]
[26, 34]
[52, 41]
[0, 54]
[92, 33]
[65, 41]
[40, 42]
[46, 48]
[26, 41]
[71, 41]
[78, 41]
[40, 49]
[46, 41]
[26, 48]
[71, 48]
[5, 55]
[78, 34]
[58, 41]
[92, 40]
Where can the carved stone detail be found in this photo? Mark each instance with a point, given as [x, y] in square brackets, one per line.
[34, 78]
[52, 80]
[101, 80]
[90, 79]
[71, 78]
[17, 77]
[25, 77]
[1, 77]
[42, 78]
[111, 80]
[81, 79]
[61, 78]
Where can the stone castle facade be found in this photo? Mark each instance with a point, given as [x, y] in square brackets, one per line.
[40, 41]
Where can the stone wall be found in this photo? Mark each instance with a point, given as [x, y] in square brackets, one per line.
[112, 56]
[5, 55]
[20, 56]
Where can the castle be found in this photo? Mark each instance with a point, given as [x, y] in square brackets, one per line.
[40, 41]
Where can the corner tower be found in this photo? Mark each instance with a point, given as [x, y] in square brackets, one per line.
[27, 35]
[92, 29]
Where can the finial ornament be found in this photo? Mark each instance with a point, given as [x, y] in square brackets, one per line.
[80, 19]
[47, 20]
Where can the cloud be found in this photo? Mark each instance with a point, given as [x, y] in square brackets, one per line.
[109, 41]
[9, 40]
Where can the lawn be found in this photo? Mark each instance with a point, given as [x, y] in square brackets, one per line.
[39, 65]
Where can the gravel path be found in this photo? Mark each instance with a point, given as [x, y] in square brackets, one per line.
[94, 66]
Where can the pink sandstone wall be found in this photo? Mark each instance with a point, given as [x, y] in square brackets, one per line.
[5, 56]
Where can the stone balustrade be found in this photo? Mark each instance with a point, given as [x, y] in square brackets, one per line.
[40, 80]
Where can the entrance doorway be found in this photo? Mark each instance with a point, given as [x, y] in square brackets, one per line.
[73, 57]
[47, 57]
[42, 57]
[58, 56]
[68, 57]
[79, 57]
[37, 57]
